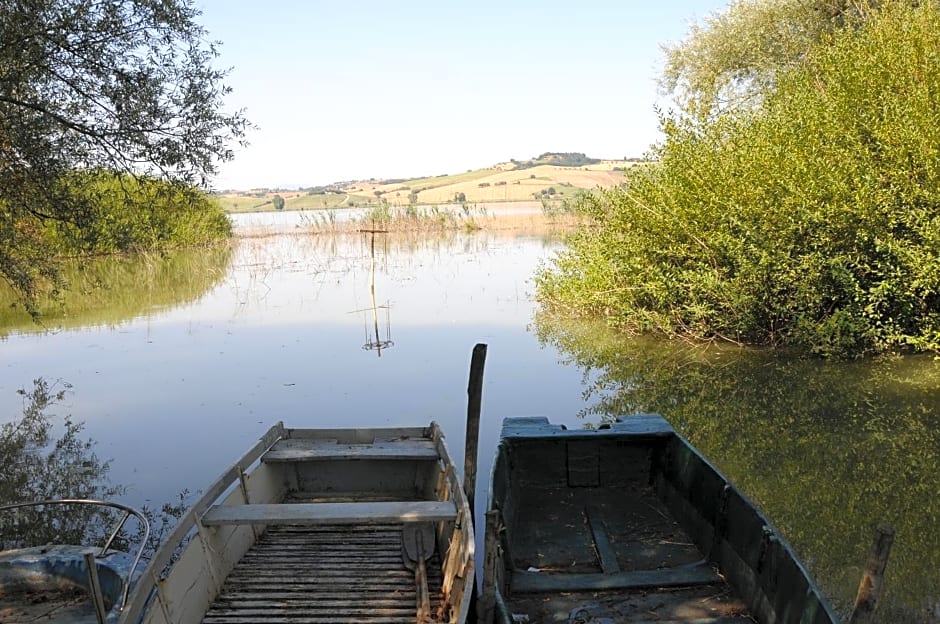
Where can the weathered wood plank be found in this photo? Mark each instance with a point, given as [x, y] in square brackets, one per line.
[472, 439]
[327, 530]
[329, 605]
[322, 571]
[330, 513]
[320, 580]
[285, 583]
[316, 556]
[313, 607]
[605, 551]
[333, 496]
[707, 620]
[360, 436]
[315, 450]
[291, 617]
[295, 619]
[276, 597]
[486, 606]
[328, 582]
[680, 576]
[869, 588]
[297, 548]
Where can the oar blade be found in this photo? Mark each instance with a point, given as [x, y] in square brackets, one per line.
[417, 542]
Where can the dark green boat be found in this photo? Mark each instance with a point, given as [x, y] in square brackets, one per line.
[629, 523]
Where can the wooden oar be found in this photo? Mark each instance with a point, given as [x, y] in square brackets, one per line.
[417, 546]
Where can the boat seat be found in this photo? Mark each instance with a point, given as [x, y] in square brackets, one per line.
[331, 513]
[524, 581]
[303, 450]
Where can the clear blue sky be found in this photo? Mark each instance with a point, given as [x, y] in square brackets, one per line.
[349, 90]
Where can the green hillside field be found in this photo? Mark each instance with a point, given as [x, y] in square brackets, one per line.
[555, 176]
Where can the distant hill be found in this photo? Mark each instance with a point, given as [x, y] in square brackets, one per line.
[556, 175]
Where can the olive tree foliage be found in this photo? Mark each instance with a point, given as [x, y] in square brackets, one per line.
[810, 219]
[123, 86]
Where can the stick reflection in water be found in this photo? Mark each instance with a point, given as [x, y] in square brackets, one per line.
[375, 342]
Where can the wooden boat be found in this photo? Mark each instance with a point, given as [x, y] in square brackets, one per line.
[320, 525]
[629, 523]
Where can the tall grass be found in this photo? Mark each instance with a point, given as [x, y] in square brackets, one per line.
[404, 218]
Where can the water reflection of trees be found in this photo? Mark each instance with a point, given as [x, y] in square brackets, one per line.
[40, 463]
[44, 457]
[115, 289]
[828, 449]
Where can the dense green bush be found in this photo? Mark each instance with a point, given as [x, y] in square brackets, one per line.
[135, 214]
[810, 220]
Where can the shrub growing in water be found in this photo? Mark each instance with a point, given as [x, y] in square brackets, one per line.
[134, 214]
[811, 220]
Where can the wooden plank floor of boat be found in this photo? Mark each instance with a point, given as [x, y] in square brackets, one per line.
[316, 574]
[578, 551]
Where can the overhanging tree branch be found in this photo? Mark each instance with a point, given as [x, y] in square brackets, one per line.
[125, 86]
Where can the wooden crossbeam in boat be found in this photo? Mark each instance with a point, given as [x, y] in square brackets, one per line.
[701, 573]
[704, 620]
[297, 450]
[331, 513]
[605, 551]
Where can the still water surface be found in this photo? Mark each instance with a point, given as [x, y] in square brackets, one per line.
[179, 363]
[174, 394]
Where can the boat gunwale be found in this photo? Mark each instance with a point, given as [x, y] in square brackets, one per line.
[464, 523]
[137, 603]
[148, 585]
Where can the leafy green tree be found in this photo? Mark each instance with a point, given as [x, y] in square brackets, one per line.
[734, 57]
[278, 202]
[124, 86]
[811, 218]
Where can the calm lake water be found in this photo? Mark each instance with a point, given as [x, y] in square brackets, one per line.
[179, 362]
